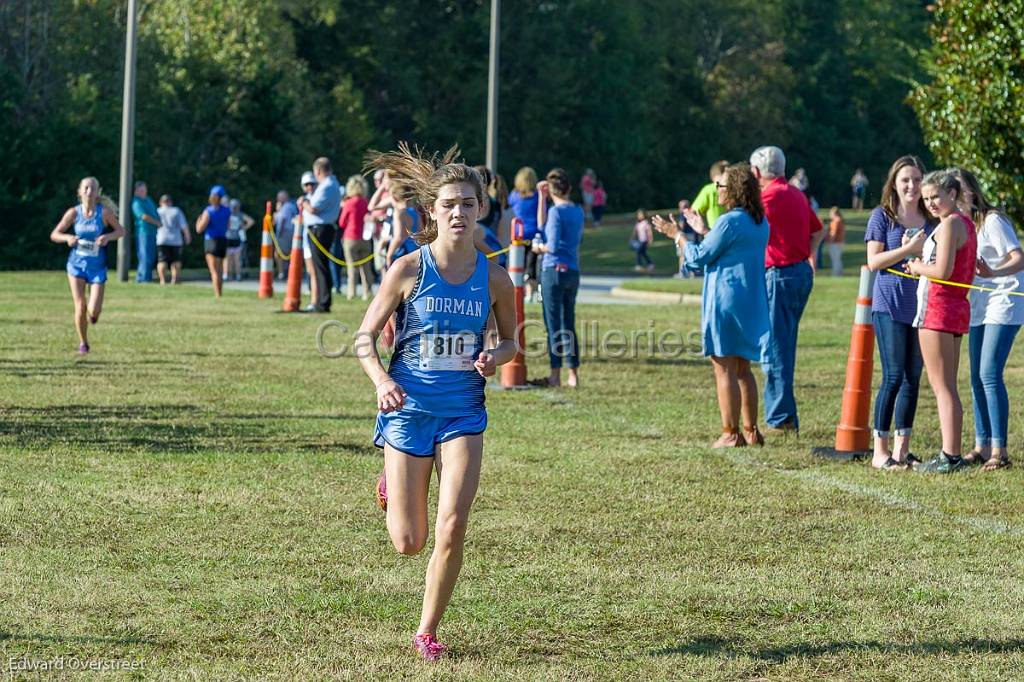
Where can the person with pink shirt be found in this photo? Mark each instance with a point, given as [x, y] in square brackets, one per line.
[600, 199]
[354, 208]
[642, 236]
[587, 184]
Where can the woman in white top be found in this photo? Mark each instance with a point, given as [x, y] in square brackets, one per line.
[995, 319]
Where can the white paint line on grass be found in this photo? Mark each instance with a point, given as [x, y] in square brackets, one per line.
[886, 497]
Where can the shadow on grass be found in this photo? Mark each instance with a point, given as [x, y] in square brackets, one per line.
[76, 366]
[719, 646]
[73, 639]
[168, 429]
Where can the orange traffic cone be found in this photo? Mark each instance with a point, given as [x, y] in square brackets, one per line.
[293, 290]
[266, 289]
[853, 436]
[513, 373]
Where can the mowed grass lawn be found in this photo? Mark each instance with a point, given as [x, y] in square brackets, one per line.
[195, 495]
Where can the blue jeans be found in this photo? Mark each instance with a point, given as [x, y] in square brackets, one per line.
[642, 259]
[989, 346]
[338, 253]
[789, 288]
[900, 354]
[560, 289]
[145, 244]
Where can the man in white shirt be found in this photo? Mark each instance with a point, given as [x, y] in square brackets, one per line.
[320, 216]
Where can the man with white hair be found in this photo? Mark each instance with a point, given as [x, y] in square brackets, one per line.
[320, 215]
[794, 234]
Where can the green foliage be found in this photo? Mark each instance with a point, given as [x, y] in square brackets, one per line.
[247, 92]
[972, 110]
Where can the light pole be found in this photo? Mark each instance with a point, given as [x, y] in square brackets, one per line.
[124, 245]
[492, 88]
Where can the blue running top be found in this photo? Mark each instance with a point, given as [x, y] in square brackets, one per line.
[409, 245]
[86, 254]
[217, 228]
[494, 244]
[438, 335]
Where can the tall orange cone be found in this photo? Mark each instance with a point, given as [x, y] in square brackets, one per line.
[266, 289]
[853, 435]
[513, 373]
[293, 290]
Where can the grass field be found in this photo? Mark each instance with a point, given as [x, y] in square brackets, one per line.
[195, 496]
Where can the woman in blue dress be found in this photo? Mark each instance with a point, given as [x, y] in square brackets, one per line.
[735, 299]
[83, 229]
[430, 399]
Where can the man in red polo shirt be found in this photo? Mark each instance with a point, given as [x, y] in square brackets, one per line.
[794, 234]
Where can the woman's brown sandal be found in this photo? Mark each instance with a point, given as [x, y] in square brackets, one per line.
[753, 436]
[975, 457]
[995, 463]
[730, 438]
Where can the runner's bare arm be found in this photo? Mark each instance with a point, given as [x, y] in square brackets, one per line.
[504, 307]
[396, 287]
[66, 222]
[111, 221]
[202, 222]
[946, 238]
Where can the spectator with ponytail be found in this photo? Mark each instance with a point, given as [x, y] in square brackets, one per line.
[996, 317]
[560, 275]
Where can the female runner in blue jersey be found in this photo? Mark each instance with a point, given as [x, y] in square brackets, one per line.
[87, 262]
[431, 397]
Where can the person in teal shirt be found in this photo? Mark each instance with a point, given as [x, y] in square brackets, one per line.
[147, 221]
[734, 312]
[706, 203]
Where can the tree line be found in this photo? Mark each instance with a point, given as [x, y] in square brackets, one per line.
[247, 93]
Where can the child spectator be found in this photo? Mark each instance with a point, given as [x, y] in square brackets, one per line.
[642, 235]
[836, 238]
[600, 199]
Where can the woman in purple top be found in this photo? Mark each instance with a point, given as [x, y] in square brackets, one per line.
[896, 231]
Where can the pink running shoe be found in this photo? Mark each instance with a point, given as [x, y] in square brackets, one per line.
[83, 349]
[382, 492]
[428, 648]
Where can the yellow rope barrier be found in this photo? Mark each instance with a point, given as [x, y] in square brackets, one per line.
[957, 284]
[331, 257]
[277, 246]
[337, 260]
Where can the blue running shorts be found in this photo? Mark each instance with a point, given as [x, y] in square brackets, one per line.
[418, 433]
[91, 273]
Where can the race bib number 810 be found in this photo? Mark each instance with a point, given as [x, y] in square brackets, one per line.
[447, 352]
[87, 248]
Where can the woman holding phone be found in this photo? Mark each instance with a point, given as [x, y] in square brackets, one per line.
[896, 231]
[943, 311]
[734, 301]
[997, 312]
